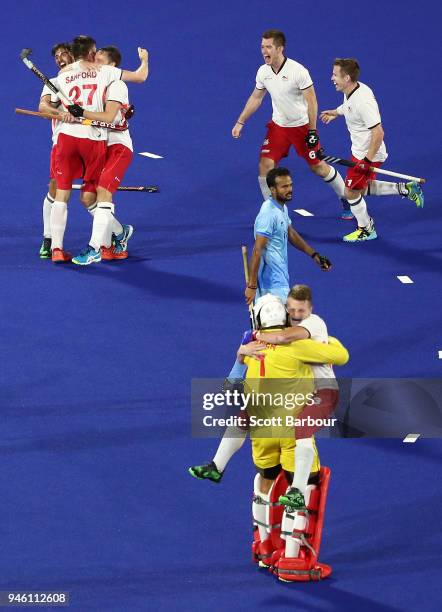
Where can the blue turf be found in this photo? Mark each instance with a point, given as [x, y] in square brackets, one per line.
[97, 362]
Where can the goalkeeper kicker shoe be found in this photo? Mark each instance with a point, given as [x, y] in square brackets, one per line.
[415, 193]
[86, 257]
[362, 234]
[209, 471]
[45, 249]
[293, 500]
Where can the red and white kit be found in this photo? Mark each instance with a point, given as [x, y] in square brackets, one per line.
[81, 149]
[55, 130]
[289, 124]
[119, 144]
[361, 113]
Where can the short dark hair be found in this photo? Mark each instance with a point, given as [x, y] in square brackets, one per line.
[301, 292]
[81, 46]
[277, 35]
[349, 65]
[273, 174]
[61, 45]
[113, 54]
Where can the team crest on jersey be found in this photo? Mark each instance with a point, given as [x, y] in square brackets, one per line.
[284, 78]
[266, 142]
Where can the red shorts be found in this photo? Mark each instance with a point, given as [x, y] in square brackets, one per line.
[52, 173]
[279, 139]
[357, 181]
[78, 158]
[118, 158]
[325, 404]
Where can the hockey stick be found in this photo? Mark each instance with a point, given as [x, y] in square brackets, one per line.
[24, 56]
[350, 164]
[247, 278]
[81, 120]
[144, 188]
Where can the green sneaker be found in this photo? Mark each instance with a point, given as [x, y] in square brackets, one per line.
[293, 500]
[209, 471]
[45, 249]
[361, 234]
[415, 193]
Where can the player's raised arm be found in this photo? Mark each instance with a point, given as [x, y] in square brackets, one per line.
[252, 105]
[284, 336]
[142, 72]
[329, 115]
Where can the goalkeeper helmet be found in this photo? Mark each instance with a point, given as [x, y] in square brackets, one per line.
[269, 311]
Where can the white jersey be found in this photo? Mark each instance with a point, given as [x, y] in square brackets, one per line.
[285, 88]
[56, 125]
[87, 87]
[361, 113]
[117, 92]
[324, 376]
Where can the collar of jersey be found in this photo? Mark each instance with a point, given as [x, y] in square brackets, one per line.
[277, 204]
[281, 66]
[352, 92]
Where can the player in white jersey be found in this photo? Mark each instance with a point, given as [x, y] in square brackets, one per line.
[294, 118]
[81, 149]
[119, 155]
[63, 57]
[363, 120]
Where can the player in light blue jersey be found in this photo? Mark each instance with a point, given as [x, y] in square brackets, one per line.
[268, 266]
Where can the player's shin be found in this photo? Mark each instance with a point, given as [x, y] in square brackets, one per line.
[260, 510]
[47, 207]
[304, 456]
[264, 187]
[102, 226]
[379, 188]
[336, 182]
[58, 220]
[359, 209]
[231, 442]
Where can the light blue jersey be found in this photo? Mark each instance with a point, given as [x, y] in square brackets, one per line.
[272, 222]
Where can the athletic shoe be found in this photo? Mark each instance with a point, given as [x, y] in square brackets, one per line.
[361, 234]
[346, 210]
[293, 500]
[113, 252]
[45, 249]
[415, 193]
[86, 257]
[123, 238]
[209, 471]
[347, 215]
[60, 256]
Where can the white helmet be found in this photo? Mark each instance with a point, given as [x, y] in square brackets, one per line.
[269, 311]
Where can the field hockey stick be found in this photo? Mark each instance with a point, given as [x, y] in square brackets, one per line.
[331, 159]
[81, 120]
[145, 188]
[247, 278]
[24, 56]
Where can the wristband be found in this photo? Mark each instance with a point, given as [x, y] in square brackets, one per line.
[367, 160]
[240, 122]
[313, 255]
[252, 287]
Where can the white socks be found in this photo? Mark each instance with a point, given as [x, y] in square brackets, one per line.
[47, 207]
[264, 187]
[58, 220]
[379, 188]
[336, 182]
[260, 511]
[116, 227]
[359, 208]
[231, 442]
[304, 456]
[102, 226]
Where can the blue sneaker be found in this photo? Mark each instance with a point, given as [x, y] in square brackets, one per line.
[346, 213]
[86, 257]
[415, 193]
[123, 238]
